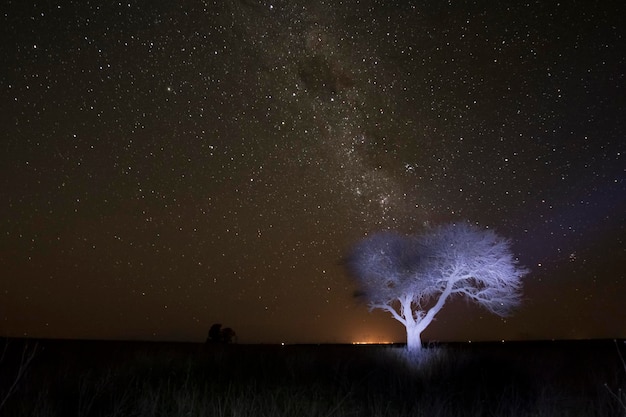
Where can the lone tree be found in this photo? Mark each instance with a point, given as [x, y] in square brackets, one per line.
[412, 277]
[219, 335]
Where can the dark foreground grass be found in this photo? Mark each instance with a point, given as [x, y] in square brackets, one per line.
[139, 379]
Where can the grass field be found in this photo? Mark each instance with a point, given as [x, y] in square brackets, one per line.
[80, 378]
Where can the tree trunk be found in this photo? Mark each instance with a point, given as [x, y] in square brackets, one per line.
[413, 338]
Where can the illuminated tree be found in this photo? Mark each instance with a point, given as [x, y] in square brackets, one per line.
[412, 277]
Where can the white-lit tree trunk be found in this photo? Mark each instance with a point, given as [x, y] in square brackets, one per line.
[411, 323]
[416, 322]
[413, 338]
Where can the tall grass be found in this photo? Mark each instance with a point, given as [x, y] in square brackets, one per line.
[14, 365]
[183, 380]
[620, 394]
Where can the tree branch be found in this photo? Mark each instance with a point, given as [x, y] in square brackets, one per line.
[430, 314]
[389, 308]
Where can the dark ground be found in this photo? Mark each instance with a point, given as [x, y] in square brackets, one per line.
[106, 378]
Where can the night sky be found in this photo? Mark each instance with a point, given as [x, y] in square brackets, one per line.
[170, 165]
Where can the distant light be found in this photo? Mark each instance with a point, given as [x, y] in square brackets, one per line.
[282, 343]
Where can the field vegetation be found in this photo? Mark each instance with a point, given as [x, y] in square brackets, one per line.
[73, 378]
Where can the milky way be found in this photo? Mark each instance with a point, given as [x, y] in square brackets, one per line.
[166, 167]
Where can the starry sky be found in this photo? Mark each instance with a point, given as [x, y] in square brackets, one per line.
[169, 165]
